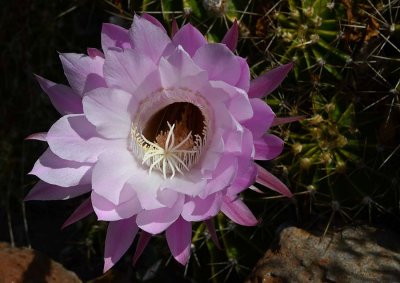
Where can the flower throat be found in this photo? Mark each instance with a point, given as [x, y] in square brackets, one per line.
[172, 140]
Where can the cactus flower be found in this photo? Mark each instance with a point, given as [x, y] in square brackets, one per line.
[160, 132]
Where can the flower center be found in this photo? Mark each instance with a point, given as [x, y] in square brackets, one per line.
[171, 140]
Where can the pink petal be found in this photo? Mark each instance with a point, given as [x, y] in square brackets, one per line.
[269, 81]
[238, 143]
[213, 232]
[72, 137]
[247, 152]
[81, 212]
[198, 209]
[238, 212]
[114, 36]
[111, 111]
[120, 236]
[233, 140]
[244, 79]
[257, 190]
[45, 191]
[270, 181]
[107, 211]
[157, 220]
[83, 72]
[284, 120]
[150, 85]
[37, 136]
[56, 171]
[110, 174]
[147, 195]
[262, 118]
[144, 239]
[246, 171]
[223, 175]
[147, 187]
[268, 147]
[244, 179]
[63, 98]
[178, 66]
[153, 20]
[238, 104]
[179, 239]
[94, 52]
[191, 184]
[148, 39]
[220, 63]
[231, 37]
[189, 38]
[127, 69]
[174, 27]
[212, 155]
[167, 197]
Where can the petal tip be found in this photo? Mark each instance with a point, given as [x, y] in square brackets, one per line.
[183, 259]
[153, 20]
[28, 197]
[174, 27]
[108, 264]
[231, 37]
[269, 81]
[37, 137]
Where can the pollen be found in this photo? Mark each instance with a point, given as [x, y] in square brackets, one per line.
[180, 132]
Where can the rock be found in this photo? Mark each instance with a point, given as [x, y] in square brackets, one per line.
[355, 255]
[23, 265]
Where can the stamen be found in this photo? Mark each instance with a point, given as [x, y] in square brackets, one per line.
[168, 155]
[170, 158]
[170, 140]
